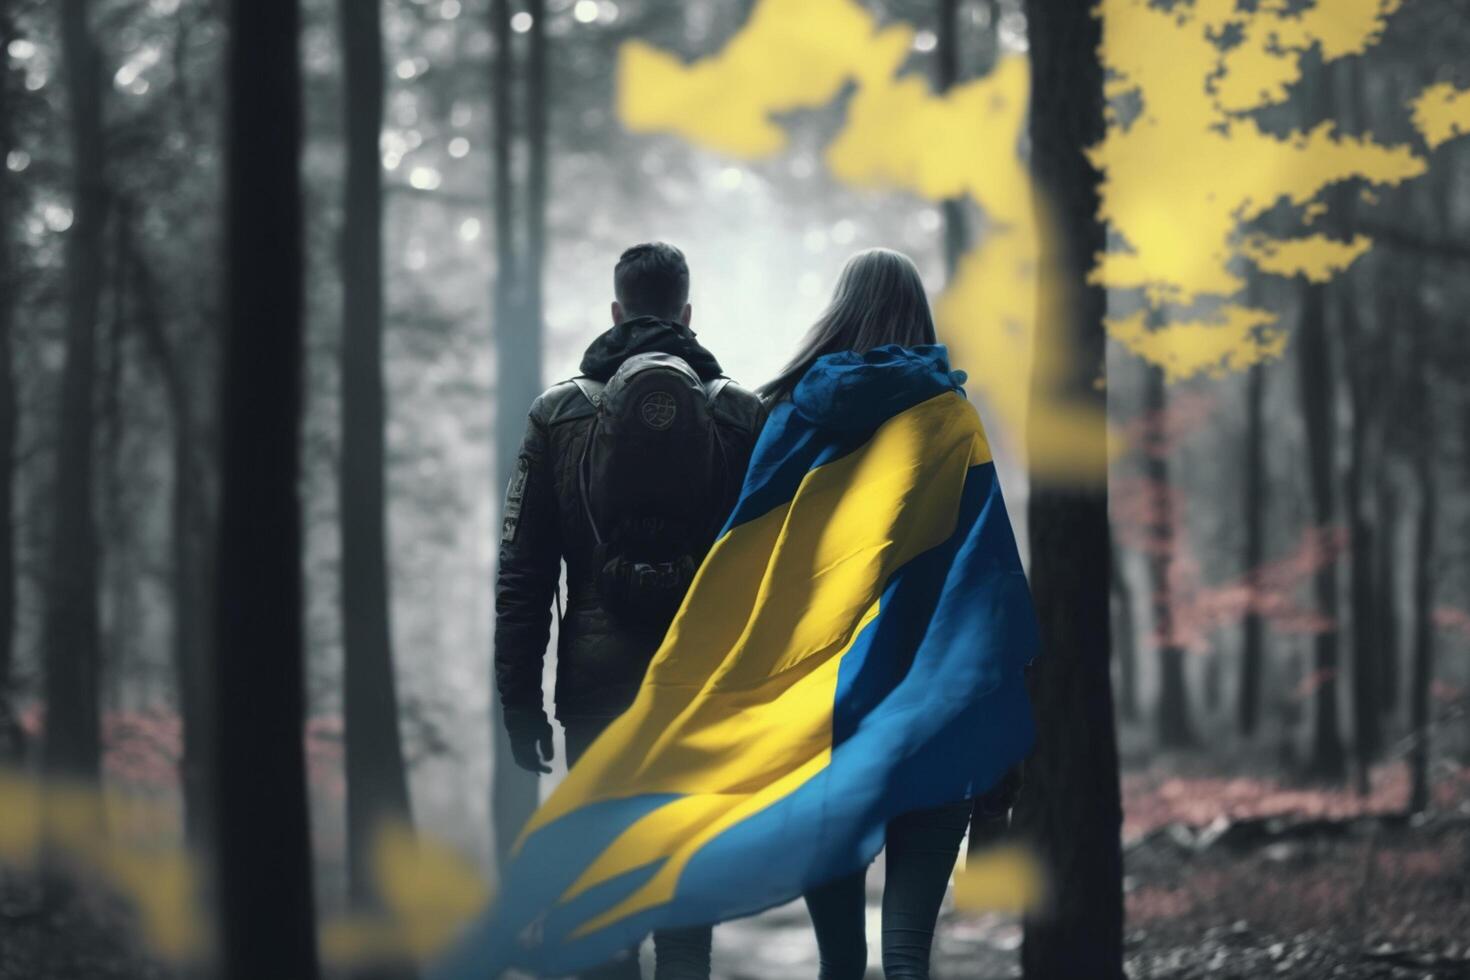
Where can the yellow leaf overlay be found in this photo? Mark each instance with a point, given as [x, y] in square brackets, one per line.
[1185, 172]
[1441, 113]
[1006, 878]
[128, 845]
[428, 892]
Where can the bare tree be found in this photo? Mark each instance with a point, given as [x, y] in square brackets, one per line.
[1171, 715]
[72, 747]
[1423, 601]
[1070, 806]
[1364, 398]
[377, 783]
[1314, 382]
[10, 732]
[1386, 615]
[189, 532]
[947, 74]
[1125, 637]
[1253, 508]
[263, 846]
[518, 375]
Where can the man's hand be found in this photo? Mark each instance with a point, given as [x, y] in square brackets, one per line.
[529, 731]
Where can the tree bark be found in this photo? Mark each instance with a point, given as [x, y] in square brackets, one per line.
[72, 749]
[1253, 507]
[1070, 806]
[10, 731]
[263, 860]
[517, 360]
[377, 783]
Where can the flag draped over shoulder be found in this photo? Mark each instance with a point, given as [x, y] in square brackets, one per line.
[850, 650]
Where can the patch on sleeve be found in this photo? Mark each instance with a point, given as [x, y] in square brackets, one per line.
[515, 494]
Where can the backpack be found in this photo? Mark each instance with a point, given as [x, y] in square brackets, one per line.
[652, 481]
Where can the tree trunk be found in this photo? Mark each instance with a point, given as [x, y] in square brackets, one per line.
[263, 855]
[1253, 507]
[1367, 670]
[10, 731]
[518, 376]
[1125, 636]
[1386, 618]
[377, 784]
[1315, 388]
[1390, 368]
[1314, 365]
[1070, 805]
[1363, 400]
[528, 350]
[190, 571]
[947, 73]
[1423, 608]
[1172, 715]
[72, 747]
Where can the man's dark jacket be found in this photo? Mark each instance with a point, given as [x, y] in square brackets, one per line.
[599, 663]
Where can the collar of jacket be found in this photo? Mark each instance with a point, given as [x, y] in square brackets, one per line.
[642, 335]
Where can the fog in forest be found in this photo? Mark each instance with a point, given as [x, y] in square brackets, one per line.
[1287, 575]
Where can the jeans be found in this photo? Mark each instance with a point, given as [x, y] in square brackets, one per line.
[678, 954]
[921, 848]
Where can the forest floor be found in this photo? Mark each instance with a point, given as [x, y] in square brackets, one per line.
[1227, 876]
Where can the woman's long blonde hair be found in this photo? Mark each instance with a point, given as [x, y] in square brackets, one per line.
[879, 300]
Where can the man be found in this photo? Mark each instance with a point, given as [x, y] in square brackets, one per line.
[627, 473]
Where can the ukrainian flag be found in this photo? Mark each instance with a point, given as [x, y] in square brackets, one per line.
[851, 649]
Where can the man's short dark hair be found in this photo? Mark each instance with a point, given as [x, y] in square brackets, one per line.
[652, 280]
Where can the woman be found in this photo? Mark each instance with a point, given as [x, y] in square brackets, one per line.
[880, 301]
[846, 669]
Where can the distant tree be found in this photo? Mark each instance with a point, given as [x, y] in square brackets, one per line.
[1361, 367]
[1125, 637]
[72, 747]
[1431, 213]
[263, 850]
[1315, 387]
[518, 379]
[1171, 714]
[528, 352]
[1423, 588]
[1385, 575]
[1070, 806]
[377, 784]
[947, 75]
[1253, 513]
[189, 534]
[1315, 383]
[10, 737]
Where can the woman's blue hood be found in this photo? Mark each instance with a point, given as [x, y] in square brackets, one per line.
[851, 391]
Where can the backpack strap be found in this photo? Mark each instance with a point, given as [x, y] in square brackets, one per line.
[713, 388]
[592, 390]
